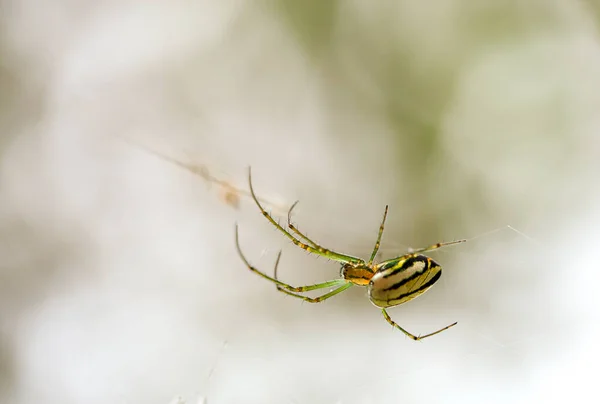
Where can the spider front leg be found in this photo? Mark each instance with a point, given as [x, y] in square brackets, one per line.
[294, 229]
[312, 248]
[317, 299]
[289, 289]
[394, 324]
[344, 285]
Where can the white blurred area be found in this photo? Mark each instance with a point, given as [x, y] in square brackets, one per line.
[119, 279]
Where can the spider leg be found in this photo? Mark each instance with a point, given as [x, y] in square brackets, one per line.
[436, 246]
[411, 336]
[317, 299]
[377, 243]
[294, 229]
[314, 249]
[280, 284]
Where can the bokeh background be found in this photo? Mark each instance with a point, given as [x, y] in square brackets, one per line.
[119, 279]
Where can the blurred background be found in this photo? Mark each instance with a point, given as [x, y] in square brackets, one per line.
[126, 130]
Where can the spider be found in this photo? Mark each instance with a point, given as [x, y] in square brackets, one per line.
[389, 283]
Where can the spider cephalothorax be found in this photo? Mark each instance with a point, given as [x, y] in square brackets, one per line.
[358, 274]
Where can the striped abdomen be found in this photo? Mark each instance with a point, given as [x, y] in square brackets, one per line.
[402, 279]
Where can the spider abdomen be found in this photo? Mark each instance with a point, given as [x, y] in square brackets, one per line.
[402, 279]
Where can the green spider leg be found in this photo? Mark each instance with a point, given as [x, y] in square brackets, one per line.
[318, 299]
[411, 336]
[344, 285]
[301, 235]
[294, 229]
[421, 250]
[377, 243]
[284, 286]
[315, 248]
[436, 246]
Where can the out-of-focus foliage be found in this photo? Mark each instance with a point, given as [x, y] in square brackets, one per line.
[119, 279]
